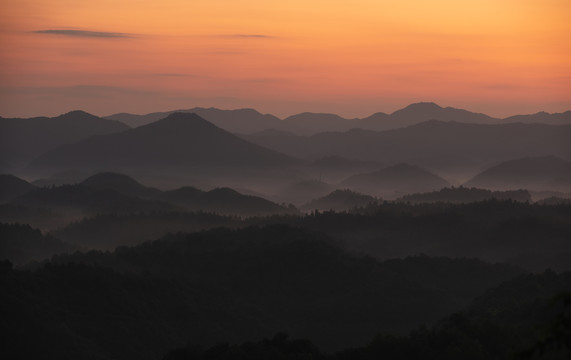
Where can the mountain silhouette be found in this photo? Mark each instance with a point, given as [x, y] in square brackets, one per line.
[79, 200]
[179, 143]
[239, 120]
[117, 193]
[121, 183]
[423, 111]
[222, 201]
[397, 179]
[236, 284]
[459, 149]
[249, 121]
[542, 117]
[311, 123]
[300, 192]
[21, 244]
[339, 200]
[69, 177]
[12, 187]
[532, 173]
[21, 140]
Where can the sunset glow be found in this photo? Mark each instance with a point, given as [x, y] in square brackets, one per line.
[354, 58]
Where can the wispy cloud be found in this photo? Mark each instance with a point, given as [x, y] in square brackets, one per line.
[246, 36]
[85, 33]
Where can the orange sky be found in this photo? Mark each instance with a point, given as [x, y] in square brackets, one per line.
[354, 58]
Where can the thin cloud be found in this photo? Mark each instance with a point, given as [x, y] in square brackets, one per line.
[85, 34]
[246, 36]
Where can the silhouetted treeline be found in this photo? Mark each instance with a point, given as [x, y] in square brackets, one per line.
[107, 231]
[466, 195]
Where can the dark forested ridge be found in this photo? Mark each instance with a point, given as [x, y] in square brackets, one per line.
[345, 281]
[529, 235]
[526, 318]
[466, 195]
[22, 244]
[225, 285]
[112, 193]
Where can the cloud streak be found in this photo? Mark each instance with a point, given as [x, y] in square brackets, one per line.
[246, 36]
[85, 34]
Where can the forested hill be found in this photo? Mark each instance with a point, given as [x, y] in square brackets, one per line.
[229, 285]
[525, 318]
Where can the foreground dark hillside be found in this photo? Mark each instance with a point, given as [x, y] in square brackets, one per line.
[525, 318]
[224, 285]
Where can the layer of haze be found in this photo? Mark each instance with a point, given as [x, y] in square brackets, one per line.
[354, 58]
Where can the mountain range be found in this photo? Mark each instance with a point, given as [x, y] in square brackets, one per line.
[179, 145]
[21, 140]
[184, 148]
[532, 173]
[453, 149]
[248, 121]
[339, 200]
[112, 193]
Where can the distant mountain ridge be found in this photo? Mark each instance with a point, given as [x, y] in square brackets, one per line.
[179, 143]
[239, 120]
[444, 147]
[248, 121]
[12, 187]
[21, 140]
[339, 200]
[117, 193]
[394, 180]
[533, 173]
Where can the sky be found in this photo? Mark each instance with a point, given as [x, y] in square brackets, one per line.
[353, 58]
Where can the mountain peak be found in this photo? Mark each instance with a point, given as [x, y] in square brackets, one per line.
[532, 173]
[179, 124]
[74, 114]
[422, 106]
[119, 182]
[109, 178]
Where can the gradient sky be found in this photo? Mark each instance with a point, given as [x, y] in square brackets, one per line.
[501, 57]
